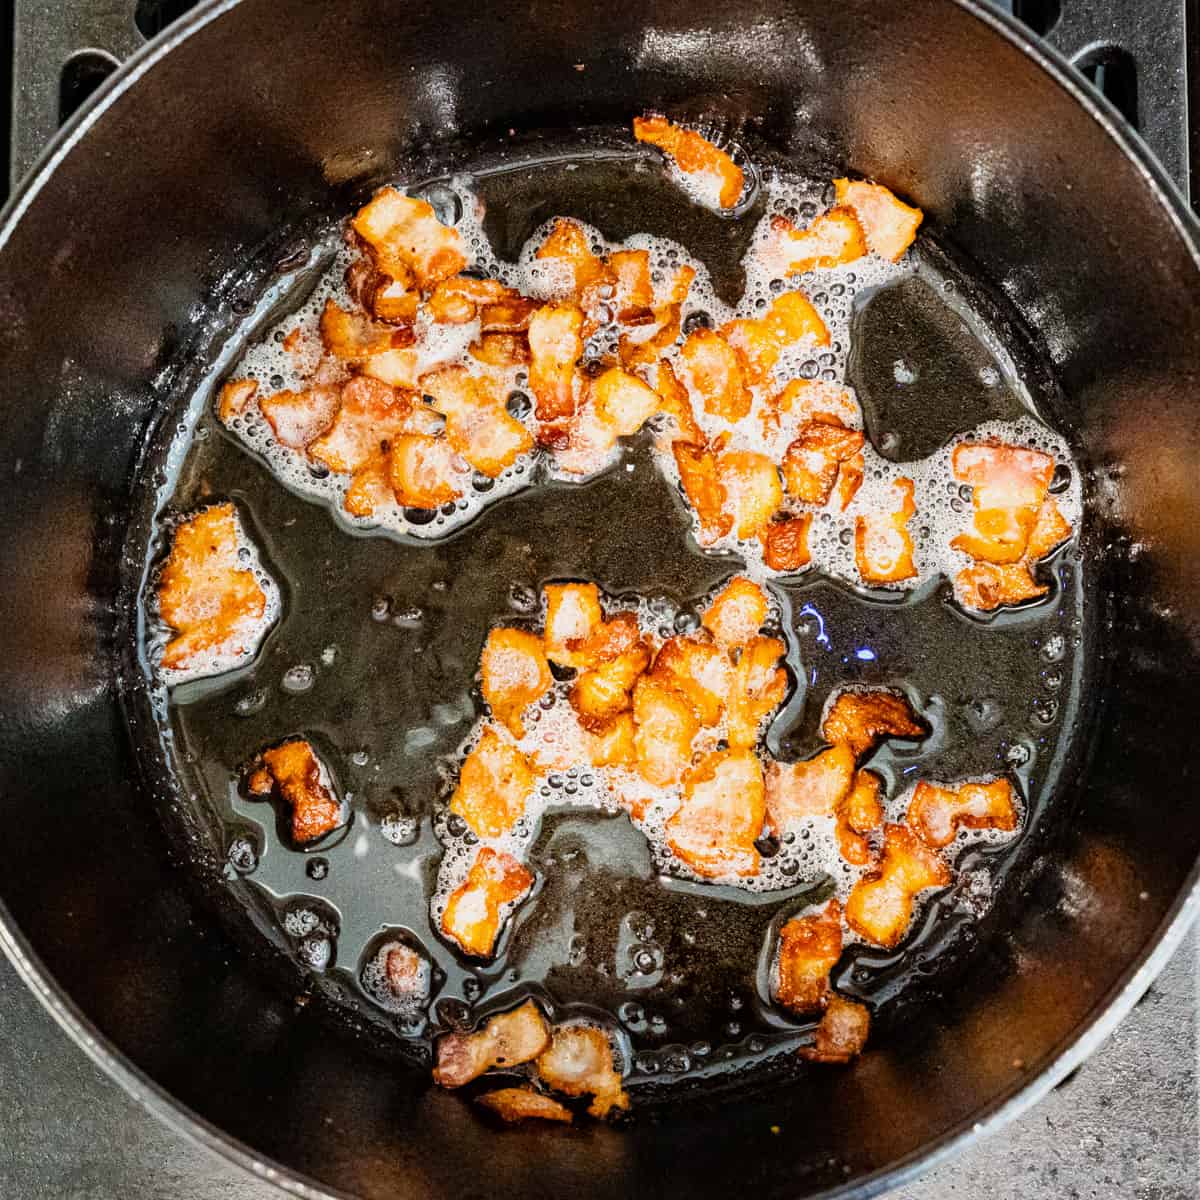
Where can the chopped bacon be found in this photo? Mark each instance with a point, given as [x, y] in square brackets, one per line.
[813, 788]
[753, 492]
[501, 349]
[404, 234]
[513, 1104]
[694, 156]
[881, 903]
[209, 598]
[572, 613]
[515, 674]
[698, 671]
[370, 414]
[813, 460]
[785, 543]
[507, 1040]
[387, 298]
[674, 400]
[841, 1034]
[405, 973]
[666, 726]
[294, 769]
[634, 290]
[937, 813]
[424, 471]
[985, 586]
[297, 418]
[888, 224]
[861, 718]
[493, 786]
[591, 277]
[859, 812]
[622, 401]
[720, 816]
[712, 372]
[1050, 530]
[850, 478]
[760, 341]
[1010, 483]
[648, 349]
[511, 315]
[809, 948]
[613, 744]
[883, 547]
[457, 301]
[233, 398]
[814, 400]
[579, 1062]
[737, 612]
[370, 487]
[756, 690]
[555, 344]
[833, 238]
[477, 424]
[354, 337]
[702, 485]
[604, 691]
[472, 916]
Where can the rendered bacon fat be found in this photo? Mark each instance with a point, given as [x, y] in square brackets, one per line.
[712, 169]
[506, 1040]
[295, 770]
[936, 813]
[472, 915]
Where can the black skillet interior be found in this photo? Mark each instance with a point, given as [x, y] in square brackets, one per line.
[291, 109]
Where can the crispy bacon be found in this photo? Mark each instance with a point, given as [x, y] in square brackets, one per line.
[424, 471]
[753, 492]
[883, 547]
[760, 341]
[757, 689]
[477, 424]
[888, 224]
[370, 487]
[297, 418]
[666, 726]
[622, 401]
[985, 586]
[393, 300]
[355, 337]
[572, 613]
[809, 948]
[1049, 531]
[936, 813]
[294, 769]
[613, 744]
[555, 344]
[859, 812]
[841, 1034]
[404, 234]
[514, 1104]
[737, 612]
[861, 718]
[501, 349]
[673, 399]
[507, 1040]
[604, 691]
[233, 398]
[643, 351]
[1010, 483]
[701, 481]
[813, 460]
[831, 239]
[634, 296]
[515, 674]
[457, 301]
[698, 671]
[694, 156]
[785, 543]
[371, 413]
[579, 1062]
[807, 400]
[591, 277]
[813, 788]
[720, 816]
[494, 785]
[880, 906]
[472, 916]
[712, 373]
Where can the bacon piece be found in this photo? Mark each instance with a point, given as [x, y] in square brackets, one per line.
[861, 718]
[760, 341]
[648, 349]
[695, 156]
[370, 487]
[785, 543]
[841, 1034]
[833, 238]
[622, 401]
[494, 785]
[737, 612]
[501, 349]
[859, 812]
[698, 671]
[424, 471]
[603, 691]
[511, 315]
[666, 726]
[936, 813]
[757, 689]
[294, 769]
[850, 477]
[888, 224]
[354, 337]
[880, 906]
[634, 296]
[809, 948]
[579, 1062]
[371, 413]
[233, 398]
[515, 1104]
[712, 371]
[673, 399]
[457, 301]
[477, 424]
[507, 1040]
[515, 674]
[613, 744]
[753, 492]
[404, 234]
[591, 277]
[720, 816]
[814, 400]
[813, 788]
[572, 613]
[206, 595]
[883, 547]
[555, 344]
[812, 461]
[387, 298]
[406, 974]
[472, 916]
[701, 481]
[297, 418]
[1049, 531]
[986, 586]
[1010, 483]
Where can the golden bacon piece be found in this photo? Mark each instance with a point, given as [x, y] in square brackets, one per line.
[814, 788]
[405, 974]
[831, 239]
[404, 235]
[858, 813]
[698, 671]
[985, 586]
[370, 414]
[861, 718]
[572, 613]
[506, 1040]
[1010, 484]
[809, 948]
[425, 471]
[614, 743]
[641, 352]
[712, 372]
[673, 399]
[880, 906]
[393, 300]
[722, 812]
[472, 916]
[617, 655]
[760, 341]
[888, 224]
[512, 1104]
[815, 457]
[841, 1034]
[622, 401]
[756, 690]
[701, 481]
[752, 489]
[579, 1062]
[354, 337]
[494, 785]
[477, 424]
[233, 398]
[370, 487]
[807, 400]
[294, 769]
[501, 349]
[498, 307]
[695, 156]
[212, 602]
[1050, 530]
[737, 612]
[591, 276]
[298, 418]
[515, 674]
[936, 813]
[665, 726]
[555, 344]
[634, 295]
[883, 547]
[785, 543]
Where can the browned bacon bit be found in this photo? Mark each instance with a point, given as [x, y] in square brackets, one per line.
[986, 586]
[809, 948]
[737, 612]
[622, 401]
[814, 400]
[698, 671]
[493, 786]
[694, 155]
[515, 674]
[813, 788]
[833, 238]
[393, 300]
[883, 547]
[212, 601]
[701, 482]
[646, 350]
[296, 771]
[862, 718]
[813, 460]
[555, 344]
[477, 424]
[858, 814]
[937, 813]
[501, 349]
[507, 1040]
[457, 301]
[785, 543]
[370, 487]
[404, 971]
[613, 744]
[712, 371]
[665, 727]
[757, 689]
[603, 691]
[297, 418]
[572, 613]
[515, 1104]
[234, 397]
[579, 1062]
[472, 916]
[370, 414]
[425, 471]
[887, 222]
[567, 243]
[1050, 530]
[841, 1034]
[714, 829]
[675, 402]
[850, 478]
[753, 492]
[511, 315]
[634, 290]
[760, 341]
[404, 234]
[881, 903]
[1010, 483]
[355, 337]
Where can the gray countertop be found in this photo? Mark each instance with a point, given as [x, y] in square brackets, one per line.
[1125, 1127]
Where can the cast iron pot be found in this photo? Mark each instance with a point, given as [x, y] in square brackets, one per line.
[251, 115]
